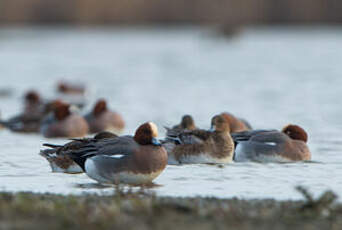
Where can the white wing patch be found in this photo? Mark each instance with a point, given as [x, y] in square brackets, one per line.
[118, 156]
[270, 143]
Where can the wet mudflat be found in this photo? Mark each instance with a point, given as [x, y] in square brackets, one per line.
[141, 210]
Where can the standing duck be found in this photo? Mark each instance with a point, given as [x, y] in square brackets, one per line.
[137, 159]
[202, 146]
[103, 119]
[236, 124]
[64, 123]
[289, 145]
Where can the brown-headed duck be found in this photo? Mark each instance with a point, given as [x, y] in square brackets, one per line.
[64, 123]
[187, 123]
[33, 103]
[236, 124]
[202, 146]
[289, 145]
[103, 119]
[126, 159]
[29, 120]
[60, 161]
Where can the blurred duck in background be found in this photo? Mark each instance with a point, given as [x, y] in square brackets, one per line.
[101, 118]
[64, 122]
[30, 118]
[201, 146]
[33, 103]
[289, 145]
[57, 155]
[70, 88]
[6, 92]
[72, 93]
[187, 123]
[236, 124]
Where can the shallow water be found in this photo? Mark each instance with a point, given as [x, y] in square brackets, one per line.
[270, 76]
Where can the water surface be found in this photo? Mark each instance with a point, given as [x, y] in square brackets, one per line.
[270, 76]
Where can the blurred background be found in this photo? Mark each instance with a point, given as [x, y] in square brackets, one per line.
[246, 57]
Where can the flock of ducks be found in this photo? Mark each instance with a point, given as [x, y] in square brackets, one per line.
[60, 117]
[110, 158]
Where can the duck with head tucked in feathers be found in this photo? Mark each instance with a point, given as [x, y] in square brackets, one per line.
[137, 159]
[64, 123]
[202, 146]
[103, 119]
[289, 145]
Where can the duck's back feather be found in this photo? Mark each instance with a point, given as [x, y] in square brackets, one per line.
[124, 145]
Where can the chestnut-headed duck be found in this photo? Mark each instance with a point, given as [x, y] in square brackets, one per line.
[103, 119]
[187, 123]
[33, 103]
[236, 124]
[29, 120]
[60, 161]
[64, 123]
[289, 145]
[137, 159]
[202, 146]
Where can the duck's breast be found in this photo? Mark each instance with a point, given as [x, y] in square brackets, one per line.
[298, 151]
[76, 126]
[119, 169]
[149, 159]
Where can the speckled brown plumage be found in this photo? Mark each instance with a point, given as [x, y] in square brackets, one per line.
[217, 144]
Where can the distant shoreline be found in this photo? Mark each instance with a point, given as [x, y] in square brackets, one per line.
[231, 13]
[146, 211]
